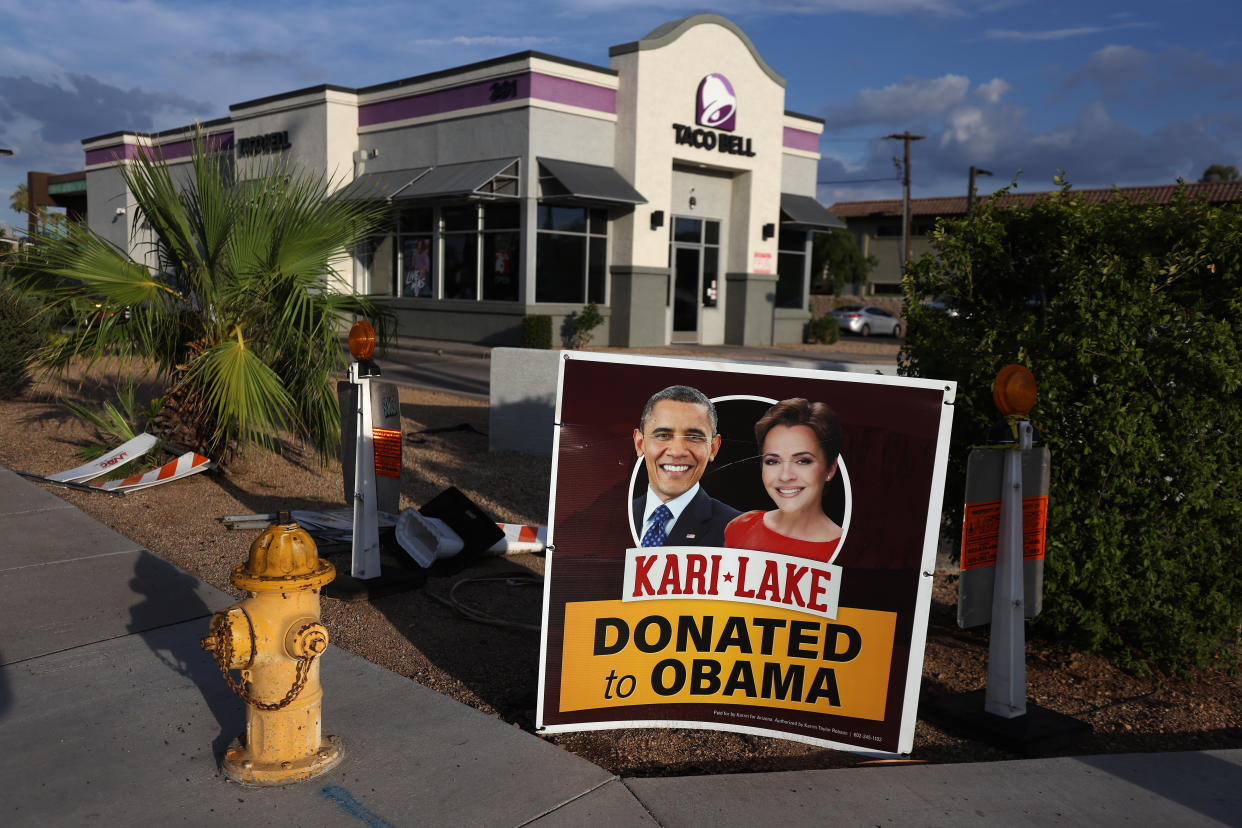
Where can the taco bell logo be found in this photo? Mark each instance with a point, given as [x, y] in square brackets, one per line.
[717, 103]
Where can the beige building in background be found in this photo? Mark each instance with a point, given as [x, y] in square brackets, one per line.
[671, 187]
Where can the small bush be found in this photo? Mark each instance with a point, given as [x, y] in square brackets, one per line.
[579, 328]
[537, 331]
[823, 329]
[21, 334]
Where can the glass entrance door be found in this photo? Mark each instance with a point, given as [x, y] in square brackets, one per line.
[694, 257]
[686, 275]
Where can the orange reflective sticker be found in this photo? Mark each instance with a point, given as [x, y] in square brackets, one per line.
[981, 531]
[387, 442]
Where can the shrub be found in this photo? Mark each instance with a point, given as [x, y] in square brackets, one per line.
[824, 329]
[537, 331]
[1129, 315]
[579, 328]
[21, 335]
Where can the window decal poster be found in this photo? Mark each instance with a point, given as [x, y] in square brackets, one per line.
[769, 573]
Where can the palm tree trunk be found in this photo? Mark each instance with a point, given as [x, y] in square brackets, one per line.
[186, 420]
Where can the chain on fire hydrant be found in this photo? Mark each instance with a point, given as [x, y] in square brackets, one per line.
[274, 638]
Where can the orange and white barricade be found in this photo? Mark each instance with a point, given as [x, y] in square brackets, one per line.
[184, 466]
[520, 538]
[120, 455]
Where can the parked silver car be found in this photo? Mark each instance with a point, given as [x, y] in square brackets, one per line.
[866, 320]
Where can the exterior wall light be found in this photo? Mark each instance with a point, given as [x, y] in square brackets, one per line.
[769, 230]
[657, 219]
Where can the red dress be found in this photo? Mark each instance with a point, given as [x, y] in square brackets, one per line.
[747, 531]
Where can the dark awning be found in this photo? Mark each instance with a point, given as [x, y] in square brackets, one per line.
[473, 178]
[805, 213]
[588, 182]
[382, 185]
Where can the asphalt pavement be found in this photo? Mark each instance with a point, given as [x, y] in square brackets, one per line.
[111, 714]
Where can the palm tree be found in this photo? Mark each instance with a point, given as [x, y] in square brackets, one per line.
[19, 199]
[234, 305]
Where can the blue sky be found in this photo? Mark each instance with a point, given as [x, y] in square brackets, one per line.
[1114, 93]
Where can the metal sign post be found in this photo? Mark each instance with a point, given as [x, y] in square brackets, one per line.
[1006, 693]
[365, 560]
[1001, 582]
[365, 547]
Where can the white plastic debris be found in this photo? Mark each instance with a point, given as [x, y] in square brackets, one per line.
[426, 539]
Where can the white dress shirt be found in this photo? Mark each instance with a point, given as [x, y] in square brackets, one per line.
[677, 505]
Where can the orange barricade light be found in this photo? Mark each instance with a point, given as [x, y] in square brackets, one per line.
[361, 340]
[1014, 390]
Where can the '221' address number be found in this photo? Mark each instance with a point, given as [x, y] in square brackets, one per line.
[504, 90]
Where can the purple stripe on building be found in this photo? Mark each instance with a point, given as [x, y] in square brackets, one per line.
[169, 152]
[515, 87]
[573, 93]
[800, 139]
[109, 155]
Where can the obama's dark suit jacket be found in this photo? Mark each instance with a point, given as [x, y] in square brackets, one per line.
[702, 522]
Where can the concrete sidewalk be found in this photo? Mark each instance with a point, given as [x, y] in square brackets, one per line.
[111, 714]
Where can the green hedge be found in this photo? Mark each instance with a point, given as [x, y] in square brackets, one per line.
[823, 329]
[1130, 316]
[537, 331]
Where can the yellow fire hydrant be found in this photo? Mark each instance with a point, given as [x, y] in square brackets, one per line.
[274, 638]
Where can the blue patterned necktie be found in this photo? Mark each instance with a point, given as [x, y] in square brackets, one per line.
[655, 535]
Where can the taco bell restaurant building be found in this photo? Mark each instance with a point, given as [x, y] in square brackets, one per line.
[672, 188]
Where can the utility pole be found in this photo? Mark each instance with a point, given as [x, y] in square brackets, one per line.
[906, 137]
[970, 191]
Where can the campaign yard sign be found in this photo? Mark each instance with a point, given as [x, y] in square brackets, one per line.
[786, 594]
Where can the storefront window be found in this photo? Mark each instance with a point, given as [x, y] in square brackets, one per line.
[414, 227]
[481, 247]
[461, 265]
[416, 267]
[501, 244]
[571, 255]
[687, 230]
[373, 265]
[790, 268]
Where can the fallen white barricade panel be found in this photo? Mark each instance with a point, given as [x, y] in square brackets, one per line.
[521, 538]
[184, 466]
[432, 533]
[335, 525]
[123, 453]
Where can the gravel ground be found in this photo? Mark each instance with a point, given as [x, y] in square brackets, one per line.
[494, 668]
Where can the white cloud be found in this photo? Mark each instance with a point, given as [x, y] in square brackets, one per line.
[1125, 72]
[1057, 34]
[911, 98]
[992, 91]
[1111, 67]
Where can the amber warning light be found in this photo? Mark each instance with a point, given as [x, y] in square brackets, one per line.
[361, 340]
[1013, 391]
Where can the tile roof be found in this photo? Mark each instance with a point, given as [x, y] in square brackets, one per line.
[1216, 192]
